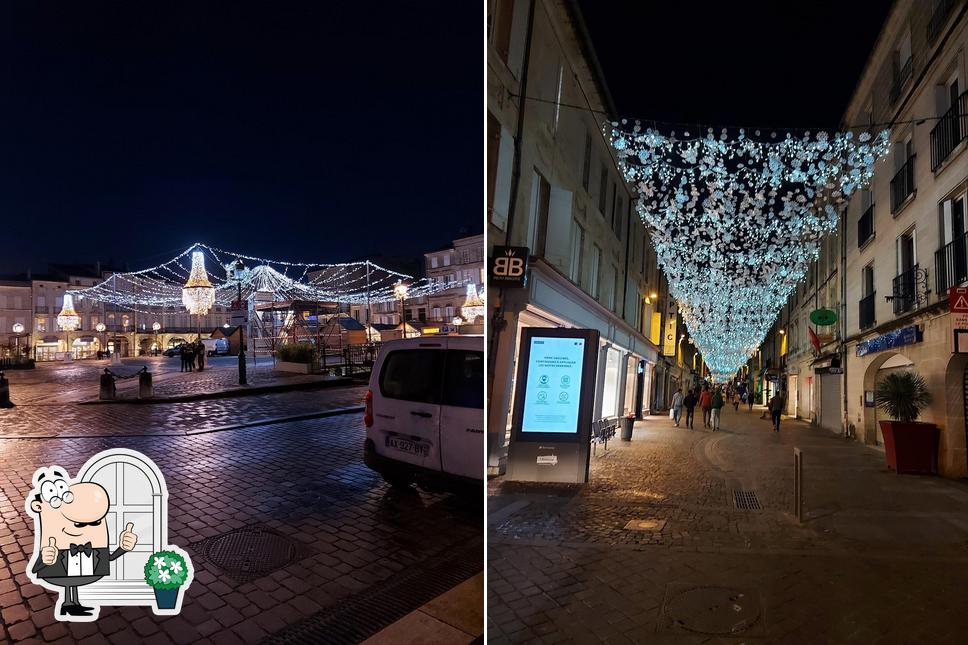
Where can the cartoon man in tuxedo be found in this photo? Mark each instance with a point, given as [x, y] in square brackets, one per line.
[72, 550]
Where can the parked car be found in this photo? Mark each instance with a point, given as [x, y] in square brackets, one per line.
[424, 413]
[172, 351]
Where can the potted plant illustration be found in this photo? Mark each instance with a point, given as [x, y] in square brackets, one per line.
[910, 446]
[167, 572]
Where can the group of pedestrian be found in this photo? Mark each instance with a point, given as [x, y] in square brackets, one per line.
[711, 402]
[712, 399]
[192, 356]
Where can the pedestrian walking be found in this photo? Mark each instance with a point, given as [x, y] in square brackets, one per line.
[677, 406]
[716, 404]
[776, 408]
[705, 402]
[184, 357]
[200, 354]
[736, 401]
[690, 404]
[749, 400]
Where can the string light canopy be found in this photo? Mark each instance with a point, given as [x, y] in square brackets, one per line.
[198, 294]
[211, 273]
[67, 319]
[736, 220]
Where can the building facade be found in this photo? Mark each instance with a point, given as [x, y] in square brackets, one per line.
[553, 186]
[461, 264]
[15, 308]
[903, 242]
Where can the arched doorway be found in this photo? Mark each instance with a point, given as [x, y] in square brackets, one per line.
[118, 345]
[879, 367]
[953, 451]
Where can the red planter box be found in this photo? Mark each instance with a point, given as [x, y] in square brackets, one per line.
[911, 447]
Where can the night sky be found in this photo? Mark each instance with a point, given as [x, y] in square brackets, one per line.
[314, 131]
[764, 63]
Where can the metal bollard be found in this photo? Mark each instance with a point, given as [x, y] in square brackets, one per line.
[145, 390]
[107, 392]
[798, 484]
[5, 392]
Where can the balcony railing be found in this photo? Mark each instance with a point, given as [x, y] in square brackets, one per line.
[904, 291]
[951, 264]
[865, 226]
[866, 306]
[938, 19]
[949, 132]
[902, 186]
[902, 76]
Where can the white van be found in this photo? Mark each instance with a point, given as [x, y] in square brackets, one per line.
[425, 412]
[216, 346]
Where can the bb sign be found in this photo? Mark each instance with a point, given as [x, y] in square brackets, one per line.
[509, 266]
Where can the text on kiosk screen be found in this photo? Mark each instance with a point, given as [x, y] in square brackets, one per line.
[553, 390]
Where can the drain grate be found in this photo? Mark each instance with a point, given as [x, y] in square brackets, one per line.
[746, 499]
[361, 615]
[248, 553]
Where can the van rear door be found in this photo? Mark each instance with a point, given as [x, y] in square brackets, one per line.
[462, 408]
[406, 414]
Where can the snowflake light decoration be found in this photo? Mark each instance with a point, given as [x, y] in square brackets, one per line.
[736, 221]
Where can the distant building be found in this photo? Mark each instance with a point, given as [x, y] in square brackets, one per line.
[459, 264]
[15, 307]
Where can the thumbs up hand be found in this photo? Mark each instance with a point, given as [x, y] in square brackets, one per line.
[128, 540]
[48, 554]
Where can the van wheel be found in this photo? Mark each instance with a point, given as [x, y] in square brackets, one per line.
[398, 481]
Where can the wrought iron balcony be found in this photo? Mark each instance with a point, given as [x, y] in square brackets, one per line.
[866, 314]
[902, 186]
[939, 18]
[865, 226]
[950, 131]
[951, 264]
[909, 289]
[901, 78]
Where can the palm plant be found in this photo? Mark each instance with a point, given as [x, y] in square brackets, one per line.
[902, 395]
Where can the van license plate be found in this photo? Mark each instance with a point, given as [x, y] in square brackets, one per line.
[408, 446]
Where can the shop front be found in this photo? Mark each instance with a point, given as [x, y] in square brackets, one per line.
[550, 300]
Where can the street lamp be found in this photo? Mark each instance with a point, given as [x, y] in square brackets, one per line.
[156, 326]
[100, 327]
[238, 272]
[18, 329]
[68, 321]
[400, 290]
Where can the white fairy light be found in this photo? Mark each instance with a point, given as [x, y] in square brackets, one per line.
[736, 222]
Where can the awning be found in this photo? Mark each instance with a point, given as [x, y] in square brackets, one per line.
[50, 339]
[823, 362]
[86, 339]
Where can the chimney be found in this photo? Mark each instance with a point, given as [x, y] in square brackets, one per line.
[98, 268]
[28, 273]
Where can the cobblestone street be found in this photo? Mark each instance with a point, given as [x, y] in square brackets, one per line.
[350, 539]
[877, 558]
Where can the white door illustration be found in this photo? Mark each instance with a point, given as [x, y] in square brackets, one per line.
[138, 495]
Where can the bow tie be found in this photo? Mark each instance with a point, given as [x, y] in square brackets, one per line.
[82, 548]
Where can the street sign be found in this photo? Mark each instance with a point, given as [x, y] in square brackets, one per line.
[823, 317]
[958, 299]
[669, 337]
[509, 266]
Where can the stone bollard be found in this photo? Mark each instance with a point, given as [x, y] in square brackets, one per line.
[145, 391]
[5, 392]
[107, 392]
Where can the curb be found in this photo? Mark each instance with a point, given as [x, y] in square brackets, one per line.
[234, 392]
[237, 426]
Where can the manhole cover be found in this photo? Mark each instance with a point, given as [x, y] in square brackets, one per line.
[645, 525]
[746, 499]
[713, 610]
[248, 553]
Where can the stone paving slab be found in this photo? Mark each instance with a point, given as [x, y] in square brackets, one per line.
[874, 552]
[304, 480]
[34, 421]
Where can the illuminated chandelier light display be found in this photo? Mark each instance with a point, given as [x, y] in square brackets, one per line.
[198, 294]
[67, 319]
[473, 304]
[167, 285]
[736, 221]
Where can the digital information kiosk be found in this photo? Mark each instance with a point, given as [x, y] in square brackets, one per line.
[553, 400]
